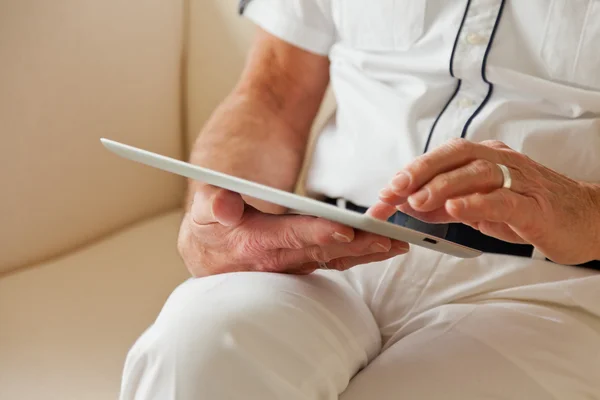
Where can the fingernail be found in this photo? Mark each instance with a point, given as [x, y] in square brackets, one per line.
[379, 248]
[400, 248]
[419, 198]
[457, 204]
[396, 245]
[385, 193]
[400, 182]
[341, 238]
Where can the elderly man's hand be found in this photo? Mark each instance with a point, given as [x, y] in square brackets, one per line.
[461, 182]
[221, 234]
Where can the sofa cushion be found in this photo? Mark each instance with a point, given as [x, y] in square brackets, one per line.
[66, 325]
[71, 72]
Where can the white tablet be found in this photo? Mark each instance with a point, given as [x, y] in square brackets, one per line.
[291, 201]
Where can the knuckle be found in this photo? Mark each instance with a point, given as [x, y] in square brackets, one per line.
[270, 262]
[460, 144]
[442, 184]
[341, 264]
[484, 168]
[511, 157]
[519, 158]
[316, 253]
[525, 181]
[495, 144]
[476, 201]
[248, 245]
[323, 230]
[420, 164]
[290, 239]
[457, 142]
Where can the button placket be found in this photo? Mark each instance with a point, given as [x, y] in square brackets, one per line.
[466, 102]
[458, 112]
[469, 57]
[476, 39]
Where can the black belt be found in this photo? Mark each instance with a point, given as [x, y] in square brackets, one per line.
[461, 234]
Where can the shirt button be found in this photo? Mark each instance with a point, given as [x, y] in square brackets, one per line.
[476, 39]
[465, 103]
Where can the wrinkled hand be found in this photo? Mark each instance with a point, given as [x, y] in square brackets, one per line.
[222, 234]
[461, 182]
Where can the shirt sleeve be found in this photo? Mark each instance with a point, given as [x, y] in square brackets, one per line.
[307, 24]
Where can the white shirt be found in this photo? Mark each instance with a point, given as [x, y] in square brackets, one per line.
[398, 66]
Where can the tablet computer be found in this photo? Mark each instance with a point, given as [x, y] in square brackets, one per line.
[291, 201]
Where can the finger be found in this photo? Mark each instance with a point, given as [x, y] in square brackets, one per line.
[447, 157]
[500, 231]
[270, 232]
[345, 263]
[438, 216]
[479, 176]
[501, 205]
[215, 205]
[381, 211]
[389, 197]
[363, 244]
[495, 144]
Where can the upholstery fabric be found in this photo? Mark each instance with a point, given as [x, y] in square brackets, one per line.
[74, 71]
[218, 43]
[66, 325]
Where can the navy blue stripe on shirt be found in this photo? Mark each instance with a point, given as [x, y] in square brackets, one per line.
[451, 69]
[243, 5]
[483, 73]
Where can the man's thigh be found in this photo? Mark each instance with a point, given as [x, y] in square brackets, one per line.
[499, 350]
[253, 336]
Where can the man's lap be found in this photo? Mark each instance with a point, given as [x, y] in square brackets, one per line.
[496, 325]
[402, 289]
[423, 325]
[496, 350]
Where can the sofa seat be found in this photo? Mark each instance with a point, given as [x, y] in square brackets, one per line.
[66, 325]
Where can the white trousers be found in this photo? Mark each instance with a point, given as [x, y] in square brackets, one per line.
[422, 326]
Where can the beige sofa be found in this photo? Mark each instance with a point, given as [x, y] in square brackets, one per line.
[87, 240]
